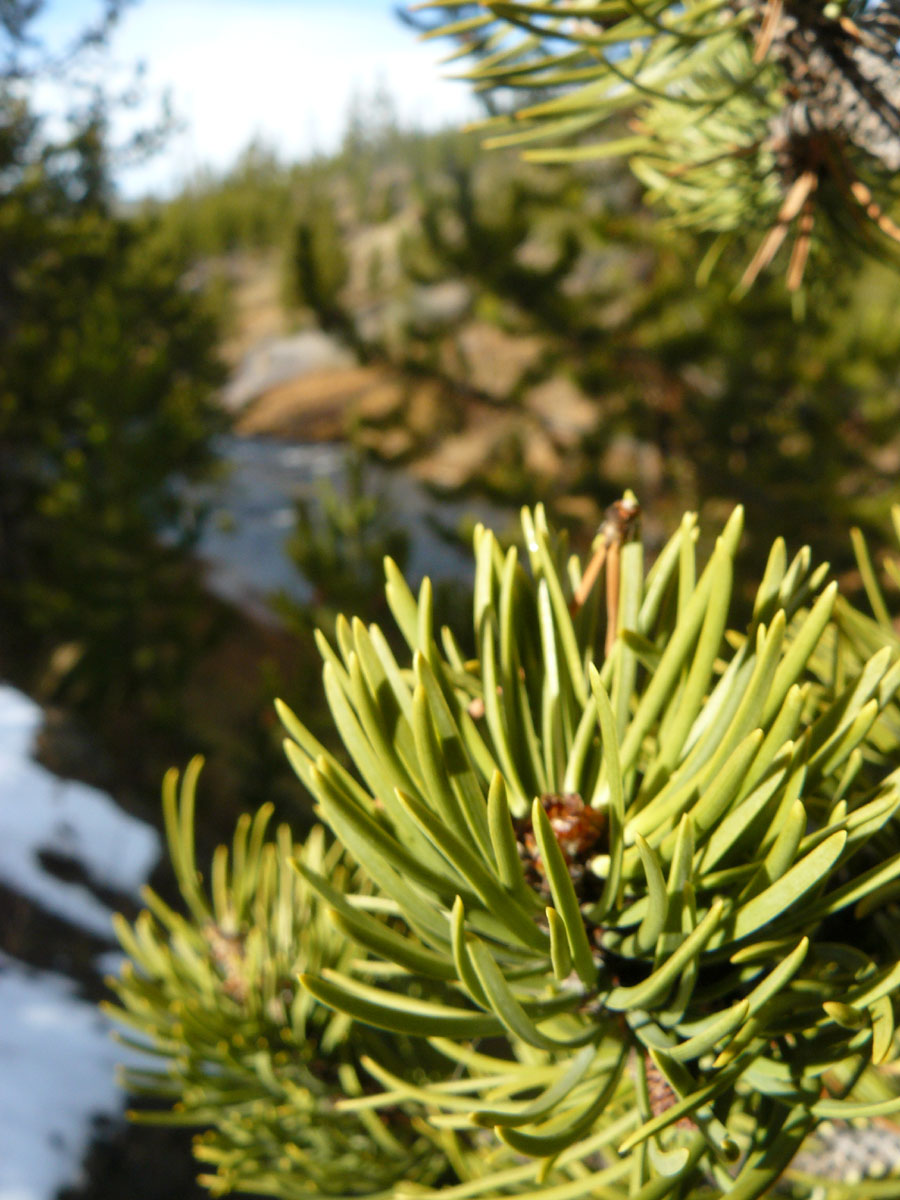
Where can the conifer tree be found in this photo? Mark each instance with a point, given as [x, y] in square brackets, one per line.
[604, 903]
[615, 897]
[107, 371]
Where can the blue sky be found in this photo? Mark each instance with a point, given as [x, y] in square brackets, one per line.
[282, 70]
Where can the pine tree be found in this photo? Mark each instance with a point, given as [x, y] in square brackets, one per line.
[604, 903]
[618, 893]
[107, 372]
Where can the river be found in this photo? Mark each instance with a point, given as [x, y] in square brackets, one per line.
[252, 513]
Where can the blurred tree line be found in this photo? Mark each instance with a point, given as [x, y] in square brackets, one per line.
[106, 375]
[108, 370]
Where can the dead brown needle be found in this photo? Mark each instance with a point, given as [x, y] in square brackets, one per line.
[767, 29]
[612, 596]
[800, 251]
[798, 194]
[589, 578]
[863, 197]
[619, 523]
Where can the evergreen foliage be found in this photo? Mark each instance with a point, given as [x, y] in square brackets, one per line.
[629, 872]
[741, 115]
[108, 366]
[249, 207]
[246, 1052]
[317, 265]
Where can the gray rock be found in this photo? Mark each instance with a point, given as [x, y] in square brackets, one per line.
[437, 305]
[278, 360]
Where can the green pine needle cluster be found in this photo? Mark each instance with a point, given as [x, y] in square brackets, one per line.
[243, 1050]
[774, 116]
[621, 922]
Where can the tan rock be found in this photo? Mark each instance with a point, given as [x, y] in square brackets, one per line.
[493, 361]
[388, 444]
[277, 361]
[629, 462]
[314, 407]
[563, 409]
[886, 458]
[432, 411]
[542, 458]
[381, 402]
[438, 305]
[459, 458]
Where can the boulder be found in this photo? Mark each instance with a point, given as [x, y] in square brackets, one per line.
[458, 459]
[495, 362]
[563, 409]
[277, 361]
[315, 407]
[435, 306]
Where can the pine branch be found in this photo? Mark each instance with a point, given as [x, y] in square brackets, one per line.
[623, 916]
[730, 103]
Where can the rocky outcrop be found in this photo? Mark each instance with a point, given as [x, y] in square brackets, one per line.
[278, 361]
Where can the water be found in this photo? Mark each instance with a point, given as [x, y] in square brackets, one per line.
[252, 515]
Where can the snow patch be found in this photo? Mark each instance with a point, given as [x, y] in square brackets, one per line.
[58, 1076]
[57, 1079]
[41, 813]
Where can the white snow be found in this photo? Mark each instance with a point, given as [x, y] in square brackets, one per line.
[38, 812]
[58, 1073]
[57, 1059]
